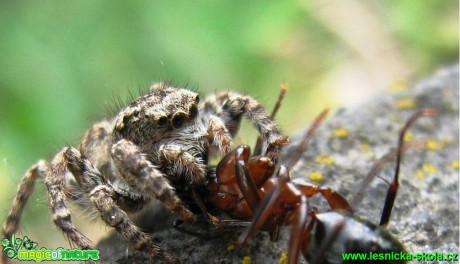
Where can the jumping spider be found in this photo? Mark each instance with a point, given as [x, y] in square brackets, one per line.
[156, 147]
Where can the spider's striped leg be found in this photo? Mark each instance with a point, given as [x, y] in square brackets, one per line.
[106, 200]
[111, 213]
[25, 189]
[141, 174]
[56, 184]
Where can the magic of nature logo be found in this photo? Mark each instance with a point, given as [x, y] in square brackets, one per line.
[24, 249]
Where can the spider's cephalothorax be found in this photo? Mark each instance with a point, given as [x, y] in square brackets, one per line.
[156, 147]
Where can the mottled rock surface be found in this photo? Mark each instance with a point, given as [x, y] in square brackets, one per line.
[426, 213]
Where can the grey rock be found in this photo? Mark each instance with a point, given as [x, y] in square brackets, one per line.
[426, 213]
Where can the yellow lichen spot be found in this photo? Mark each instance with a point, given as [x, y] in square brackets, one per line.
[316, 176]
[409, 136]
[429, 168]
[446, 142]
[455, 164]
[364, 147]
[324, 159]
[230, 247]
[341, 132]
[398, 86]
[394, 118]
[246, 260]
[432, 144]
[406, 103]
[420, 174]
[283, 258]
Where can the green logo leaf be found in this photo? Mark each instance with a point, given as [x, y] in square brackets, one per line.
[12, 245]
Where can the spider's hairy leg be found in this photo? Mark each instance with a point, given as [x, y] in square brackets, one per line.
[258, 147]
[84, 172]
[88, 177]
[25, 189]
[55, 183]
[141, 174]
[186, 163]
[260, 118]
[95, 147]
[218, 134]
[231, 107]
[101, 197]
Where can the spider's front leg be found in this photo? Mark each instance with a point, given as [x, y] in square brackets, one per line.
[230, 109]
[141, 174]
[218, 134]
[259, 117]
[179, 161]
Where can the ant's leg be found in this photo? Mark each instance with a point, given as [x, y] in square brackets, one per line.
[225, 226]
[264, 211]
[334, 199]
[298, 230]
[217, 223]
[246, 183]
[261, 168]
[213, 220]
[304, 143]
[233, 181]
[391, 194]
[232, 170]
[307, 232]
[375, 170]
[261, 215]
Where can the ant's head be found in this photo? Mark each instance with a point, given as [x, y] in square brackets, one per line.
[346, 233]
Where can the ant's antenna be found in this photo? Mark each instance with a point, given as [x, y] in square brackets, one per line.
[391, 194]
[303, 145]
[378, 166]
[284, 87]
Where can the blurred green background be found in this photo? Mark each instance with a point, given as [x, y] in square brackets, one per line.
[61, 62]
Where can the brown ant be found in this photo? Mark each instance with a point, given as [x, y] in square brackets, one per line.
[240, 178]
[245, 189]
[322, 237]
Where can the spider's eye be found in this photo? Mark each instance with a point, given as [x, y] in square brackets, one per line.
[193, 112]
[162, 121]
[179, 120]
[197, 99]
